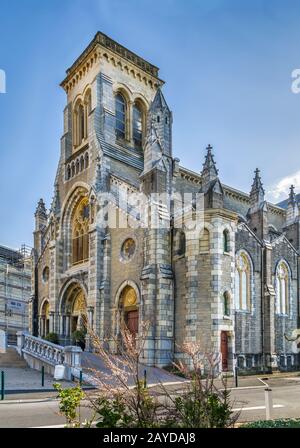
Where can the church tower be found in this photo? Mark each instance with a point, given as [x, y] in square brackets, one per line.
[157, 275]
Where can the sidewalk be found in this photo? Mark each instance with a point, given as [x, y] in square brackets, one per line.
[26, 380]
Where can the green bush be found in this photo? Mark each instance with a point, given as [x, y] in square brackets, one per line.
[69, 405]
[52, 337]
[278, 423]
[111, 414]
[78, 338]
[173, 370]
[204, 410]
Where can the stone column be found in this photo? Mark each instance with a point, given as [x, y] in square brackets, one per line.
[91, 316]
[43, 326]
[67, 329]
[40, 325]
[270, 357]
[51, 322]
[61, 324]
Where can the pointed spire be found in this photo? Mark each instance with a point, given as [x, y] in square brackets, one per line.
[292, 209]
[41, 209]
[55, 206]
[209, 171]
[292, 195]
[40, 215]
[158, 139]
[159, 102]
[257, 194]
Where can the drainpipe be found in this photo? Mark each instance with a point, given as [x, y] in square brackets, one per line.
[262, 276]
[174, 286]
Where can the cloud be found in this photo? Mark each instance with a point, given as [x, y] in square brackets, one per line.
[281, 189]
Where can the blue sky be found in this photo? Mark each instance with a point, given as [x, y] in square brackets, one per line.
[227, 66]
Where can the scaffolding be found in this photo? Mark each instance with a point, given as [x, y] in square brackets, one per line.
[16, 267]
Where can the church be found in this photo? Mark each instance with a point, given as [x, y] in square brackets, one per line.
[232, 286]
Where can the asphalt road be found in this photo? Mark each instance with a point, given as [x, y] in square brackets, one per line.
[250, 397]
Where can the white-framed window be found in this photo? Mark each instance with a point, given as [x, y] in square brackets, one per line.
[282, 288]
[242, 282]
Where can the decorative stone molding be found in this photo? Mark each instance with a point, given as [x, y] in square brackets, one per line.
[103, 47]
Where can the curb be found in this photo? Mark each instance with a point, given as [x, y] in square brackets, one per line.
[29, 400]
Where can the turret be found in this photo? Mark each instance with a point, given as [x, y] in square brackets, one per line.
[40, 215]
[40, 224]
[211, 185]
[158, 147]
[257, 193]
[257, 213]
[292, 212]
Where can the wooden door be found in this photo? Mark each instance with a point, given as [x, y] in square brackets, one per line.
[224, 350]
[133, 321]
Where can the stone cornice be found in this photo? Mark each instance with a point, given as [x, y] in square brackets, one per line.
[189, 175]
[104, 47]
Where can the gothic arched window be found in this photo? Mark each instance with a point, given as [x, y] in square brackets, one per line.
[180, 243]
[79, 124]
[225, 241]
[242, 282]
[137, 125]
[226, 303]
[282, 288]
[80, 236]
[81, 130]
[204, 241]
[81, 163]
[86, 160]
[120, 105]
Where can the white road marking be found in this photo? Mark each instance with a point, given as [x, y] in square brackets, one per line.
[259, 379]
[256, 408]
[244, 387]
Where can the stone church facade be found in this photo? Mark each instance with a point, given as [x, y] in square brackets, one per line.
[231, 286]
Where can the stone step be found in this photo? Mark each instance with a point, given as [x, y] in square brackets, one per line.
[11, 358]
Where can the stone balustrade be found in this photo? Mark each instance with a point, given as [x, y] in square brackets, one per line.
[47, 351]
[38, 352]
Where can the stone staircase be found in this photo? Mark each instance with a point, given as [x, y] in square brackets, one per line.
[11, 358]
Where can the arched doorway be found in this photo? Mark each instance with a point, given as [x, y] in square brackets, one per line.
[45, 319]
[78, 312]
[73, 313]
[129, 309]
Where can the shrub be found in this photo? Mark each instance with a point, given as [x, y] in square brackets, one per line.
[78, 338]
[111, 414]
[69, 406]
[52, 337]
[278, 423]
[202, 404]
[123, 400]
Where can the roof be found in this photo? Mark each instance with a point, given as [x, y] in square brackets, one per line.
[112, 45]
[284, 204]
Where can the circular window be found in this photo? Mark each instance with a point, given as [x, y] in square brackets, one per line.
[128, 249]
[46, 274]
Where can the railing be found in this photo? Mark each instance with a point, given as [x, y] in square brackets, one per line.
[38, 353]
[47, 351]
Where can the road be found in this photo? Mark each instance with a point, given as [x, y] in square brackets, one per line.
[249, 398]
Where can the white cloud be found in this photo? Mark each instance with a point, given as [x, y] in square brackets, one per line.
[281, 189]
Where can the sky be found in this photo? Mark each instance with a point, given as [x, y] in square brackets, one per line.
[228, 69]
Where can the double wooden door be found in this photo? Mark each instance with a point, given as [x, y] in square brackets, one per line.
[224, 350]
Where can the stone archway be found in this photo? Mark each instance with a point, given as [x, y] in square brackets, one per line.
[78, 312]
[127, 302]
[45, 319]
[73, 311]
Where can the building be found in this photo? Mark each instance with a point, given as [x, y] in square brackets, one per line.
[15, 290]
[232, 287]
